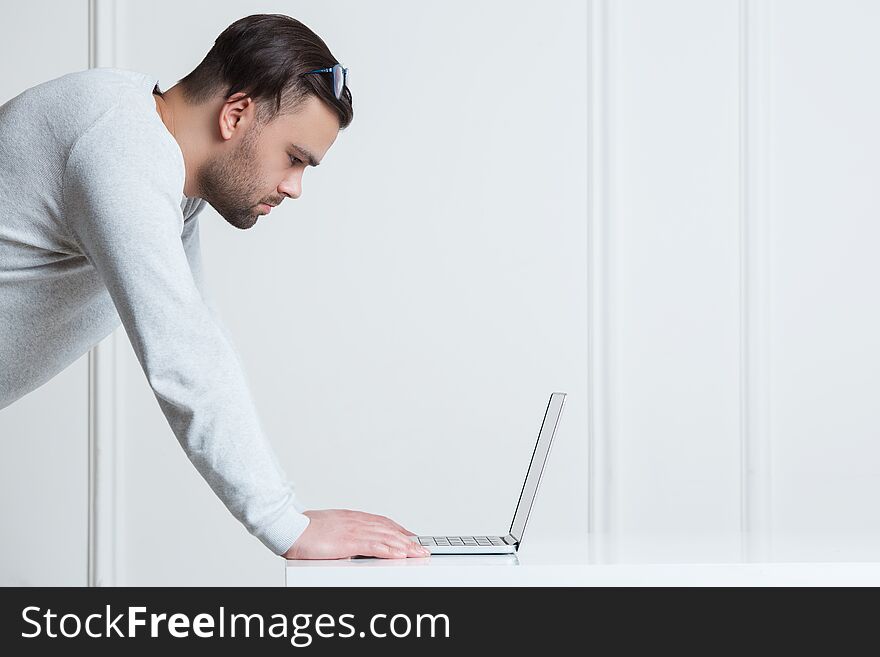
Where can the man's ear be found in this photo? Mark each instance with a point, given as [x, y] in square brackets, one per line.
[237, 108]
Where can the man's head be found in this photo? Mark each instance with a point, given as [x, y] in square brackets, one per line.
[250, 116]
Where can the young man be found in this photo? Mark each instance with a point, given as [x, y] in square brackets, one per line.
[102, 178]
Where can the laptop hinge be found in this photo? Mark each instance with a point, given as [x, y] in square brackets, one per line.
[509, 539]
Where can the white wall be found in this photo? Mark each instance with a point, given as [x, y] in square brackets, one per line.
[824, 338]
[742, 357]
[44, 435]
[686, 250]
[673, 271]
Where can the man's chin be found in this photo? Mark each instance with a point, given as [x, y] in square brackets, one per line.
[242, 222]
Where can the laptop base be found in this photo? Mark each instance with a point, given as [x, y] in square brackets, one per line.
[461, 544]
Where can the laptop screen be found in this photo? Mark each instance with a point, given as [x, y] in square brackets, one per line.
[536, 466]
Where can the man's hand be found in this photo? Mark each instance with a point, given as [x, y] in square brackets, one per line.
[340, 533]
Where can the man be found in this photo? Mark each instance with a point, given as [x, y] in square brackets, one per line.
[102, 178]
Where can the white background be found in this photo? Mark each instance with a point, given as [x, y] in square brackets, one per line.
[661, 208]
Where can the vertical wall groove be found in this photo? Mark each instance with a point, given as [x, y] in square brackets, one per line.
[754, 281]
[600, 466]
[102, 507]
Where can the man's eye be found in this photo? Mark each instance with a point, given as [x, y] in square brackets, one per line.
[294, 160]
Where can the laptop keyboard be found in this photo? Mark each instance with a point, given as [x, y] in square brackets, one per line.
[461, 540]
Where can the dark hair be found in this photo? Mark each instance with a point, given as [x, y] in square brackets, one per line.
[267, 56]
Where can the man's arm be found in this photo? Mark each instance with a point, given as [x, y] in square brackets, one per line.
[191, 240]
[333, 533]
[122, 205]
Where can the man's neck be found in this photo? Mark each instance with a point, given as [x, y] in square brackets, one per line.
[164, 112]
[175, 119]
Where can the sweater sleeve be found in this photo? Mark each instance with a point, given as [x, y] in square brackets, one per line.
[122, 188]
[192, 246]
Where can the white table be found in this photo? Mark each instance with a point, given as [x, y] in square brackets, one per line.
[567, 562]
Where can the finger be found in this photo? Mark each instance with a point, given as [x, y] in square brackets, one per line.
[415, 551]
[401, 543]
[393, 537]
[382, 550]
[419, 551]
[405, 543]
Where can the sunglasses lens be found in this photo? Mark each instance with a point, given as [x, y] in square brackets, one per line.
[338, 80]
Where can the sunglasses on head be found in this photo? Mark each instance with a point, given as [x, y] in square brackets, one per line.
[340, 76]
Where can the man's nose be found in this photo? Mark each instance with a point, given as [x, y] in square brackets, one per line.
[292, 186]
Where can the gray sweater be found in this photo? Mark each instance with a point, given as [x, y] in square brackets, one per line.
[94, 229]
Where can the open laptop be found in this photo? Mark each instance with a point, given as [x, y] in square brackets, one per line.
[511, 542]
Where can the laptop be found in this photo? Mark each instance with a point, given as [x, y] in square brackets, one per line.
[511, 542]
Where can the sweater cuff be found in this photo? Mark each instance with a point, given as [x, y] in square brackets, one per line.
[282, 533]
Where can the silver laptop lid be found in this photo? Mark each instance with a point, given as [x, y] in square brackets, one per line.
[536, 466]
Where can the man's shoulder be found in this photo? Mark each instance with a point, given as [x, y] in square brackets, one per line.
[120, 107]
[72, 103]
[125, 140]
[94, 91]
[91, 87]
[106, 79]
